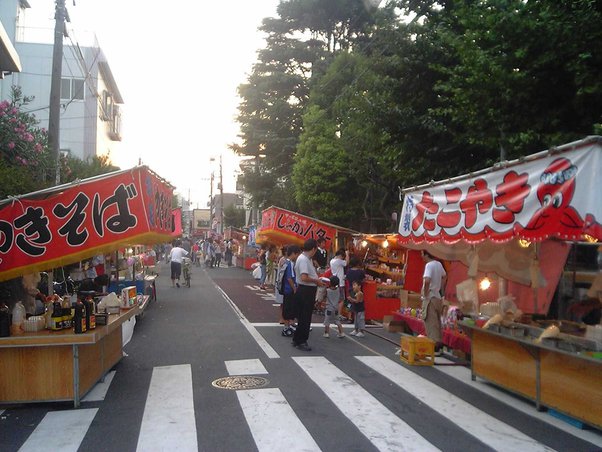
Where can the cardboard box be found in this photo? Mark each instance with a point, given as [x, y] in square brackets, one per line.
[391, 325]
[410, 299]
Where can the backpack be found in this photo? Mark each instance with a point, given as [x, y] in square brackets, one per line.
[280, 280]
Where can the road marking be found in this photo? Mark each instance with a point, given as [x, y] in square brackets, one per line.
[273, 423]
[99, 391]
[60, 430]
[168, 422]
[488, 429]
[245, 367]
[263, 344]
[313, 325]
[462, 374]
[386, 431]
[253, 287]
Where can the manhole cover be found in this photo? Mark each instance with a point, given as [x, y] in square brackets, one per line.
[240, 382]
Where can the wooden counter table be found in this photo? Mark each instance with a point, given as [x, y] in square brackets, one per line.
[553, 378]
[52, 366]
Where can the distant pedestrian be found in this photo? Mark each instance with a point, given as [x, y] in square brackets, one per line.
[168, 248]
[357, 302]
[278, 293]
[175, 256]
[355, 273]
[331, 311]
[228, 253]
[338, 264]
[320, 261]
[218, 253]
[308, 281]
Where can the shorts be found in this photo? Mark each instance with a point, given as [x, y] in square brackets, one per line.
[289, 311]
[331, 316]
[360, 320]
[176, 270]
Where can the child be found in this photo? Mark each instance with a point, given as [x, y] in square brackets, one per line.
[357, 301]
[331, 313]
[289, 288]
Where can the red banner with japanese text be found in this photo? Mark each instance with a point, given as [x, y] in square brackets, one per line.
[76, 221]
[555, 195]
[283, 226]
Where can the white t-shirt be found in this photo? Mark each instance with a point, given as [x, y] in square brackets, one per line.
[337, 267]
[177, 254]
[305, 265]
[435, 271]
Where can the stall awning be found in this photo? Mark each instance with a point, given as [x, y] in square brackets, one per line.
[70, 222]
[281, 226]
[550, 194]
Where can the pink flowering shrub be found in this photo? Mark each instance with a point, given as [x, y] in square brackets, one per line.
[22, 142]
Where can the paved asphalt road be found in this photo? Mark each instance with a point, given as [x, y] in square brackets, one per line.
[345, 395]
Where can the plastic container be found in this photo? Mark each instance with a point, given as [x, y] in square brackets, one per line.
[18, 318]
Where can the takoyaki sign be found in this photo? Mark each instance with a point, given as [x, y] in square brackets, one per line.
[551, 194]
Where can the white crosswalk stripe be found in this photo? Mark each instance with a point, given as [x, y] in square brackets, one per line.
[266, 408]
[488, 429]
[169, 422]
[60, 430]
[245, 367]
[99, 391]
[386, 431]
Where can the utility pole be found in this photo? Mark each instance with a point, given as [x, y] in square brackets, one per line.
[211, 204]
[55, 87]
[221, 198]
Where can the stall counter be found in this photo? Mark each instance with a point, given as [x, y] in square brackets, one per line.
[50, 366]
[554, 378]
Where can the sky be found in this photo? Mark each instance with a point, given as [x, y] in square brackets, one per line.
[177, 66]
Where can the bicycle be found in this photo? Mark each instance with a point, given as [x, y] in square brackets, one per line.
[186, 264]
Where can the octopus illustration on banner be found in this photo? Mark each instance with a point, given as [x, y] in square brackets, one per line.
[555, 193]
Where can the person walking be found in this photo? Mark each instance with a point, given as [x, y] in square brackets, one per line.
[218, 253]
[433, 281]
[331, 311]
[320, 261]
[278, 289]
[338, 264]
[307, 281]
[175, 256]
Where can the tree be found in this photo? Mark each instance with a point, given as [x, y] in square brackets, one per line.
[300, 44]
[234, 217]
[75, 168]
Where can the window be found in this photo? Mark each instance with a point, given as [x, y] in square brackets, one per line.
[107, 106]
[72, 88]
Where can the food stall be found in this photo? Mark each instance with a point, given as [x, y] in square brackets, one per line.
[515, 223]
[395, 274]
[60, 226]
[282, 227]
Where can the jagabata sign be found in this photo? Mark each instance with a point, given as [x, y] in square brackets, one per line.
[553, 194]
[285, 225]
[76, 221]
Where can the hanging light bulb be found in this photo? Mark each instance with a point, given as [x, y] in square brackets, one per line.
[524, 243]
[386, 244]
[364, 243]
[589, 239]
[485, 283]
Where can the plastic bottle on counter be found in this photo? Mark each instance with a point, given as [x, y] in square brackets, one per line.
[4, 320]
[18, 318]
[90, 317]
[79, 318]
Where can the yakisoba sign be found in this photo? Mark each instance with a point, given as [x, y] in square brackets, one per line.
[550, 194]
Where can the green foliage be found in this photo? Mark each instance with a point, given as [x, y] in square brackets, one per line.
[234, 216]
[74, 168]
